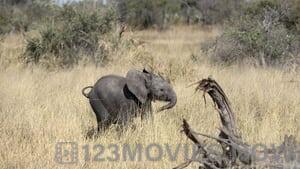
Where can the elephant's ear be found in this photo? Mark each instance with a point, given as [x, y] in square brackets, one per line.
[136, 83]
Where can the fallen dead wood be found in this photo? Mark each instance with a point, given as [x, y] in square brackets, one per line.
[234, 152]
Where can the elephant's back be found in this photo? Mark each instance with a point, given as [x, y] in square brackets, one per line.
[109, 84]
[109, 89]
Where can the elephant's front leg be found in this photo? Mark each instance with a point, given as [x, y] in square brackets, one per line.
[125, 116]
[147, 112]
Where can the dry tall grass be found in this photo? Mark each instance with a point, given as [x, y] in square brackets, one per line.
[39, 108]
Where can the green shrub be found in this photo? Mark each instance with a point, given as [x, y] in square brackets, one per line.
[261, 34]
[143, 14]
[21, 15]
[216, 11]
[74, 33]
[4, 24]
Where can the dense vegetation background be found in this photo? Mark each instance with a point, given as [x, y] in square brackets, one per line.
[257, 32]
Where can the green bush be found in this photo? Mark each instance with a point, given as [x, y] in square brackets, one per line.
[4, 24]
[143, 14]
[216, 11]
[74, 33]
[21, 15]
[261, 34]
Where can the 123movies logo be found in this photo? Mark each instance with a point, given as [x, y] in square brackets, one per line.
[66, 152]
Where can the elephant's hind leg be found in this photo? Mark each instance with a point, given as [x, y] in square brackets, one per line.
[102, 115]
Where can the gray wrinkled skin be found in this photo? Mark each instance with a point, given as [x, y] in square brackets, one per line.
[116, 99]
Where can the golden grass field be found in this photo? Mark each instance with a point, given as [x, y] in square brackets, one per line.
[39, 108]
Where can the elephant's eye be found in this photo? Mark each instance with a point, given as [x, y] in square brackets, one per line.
[161, 90]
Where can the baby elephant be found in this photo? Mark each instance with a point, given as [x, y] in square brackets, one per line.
[116, 99]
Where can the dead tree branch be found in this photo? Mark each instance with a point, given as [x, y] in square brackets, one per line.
[235, 152]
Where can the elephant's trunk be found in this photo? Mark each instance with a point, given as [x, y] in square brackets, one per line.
[172, 103]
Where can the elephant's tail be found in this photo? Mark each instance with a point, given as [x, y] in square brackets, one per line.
[83, 91]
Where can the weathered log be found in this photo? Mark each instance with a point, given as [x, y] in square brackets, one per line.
[229, 130]
[235, 152]
[218, 96]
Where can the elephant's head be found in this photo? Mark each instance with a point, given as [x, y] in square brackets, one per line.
[145, 85]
